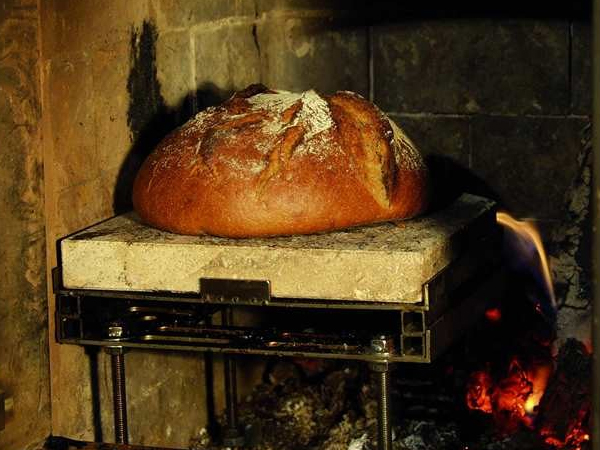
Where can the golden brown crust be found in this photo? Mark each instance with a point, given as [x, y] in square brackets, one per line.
[274, 163]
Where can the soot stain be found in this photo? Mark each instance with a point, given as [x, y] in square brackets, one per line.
[148, 117]
[145, 99]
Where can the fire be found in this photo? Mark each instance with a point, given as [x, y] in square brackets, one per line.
[512, 396]
[538, 376]
[512, 400]
[529, 234]
[574, 440]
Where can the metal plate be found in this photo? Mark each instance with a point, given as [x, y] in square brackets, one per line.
[215, 290]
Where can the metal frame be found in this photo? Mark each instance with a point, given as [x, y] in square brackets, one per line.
[423, 330]
[452, 301]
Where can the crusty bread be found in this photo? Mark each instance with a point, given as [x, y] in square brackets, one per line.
[277, 163]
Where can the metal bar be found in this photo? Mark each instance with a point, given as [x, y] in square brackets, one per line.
[384, 435]
[182, 345]
[381, 371]
[274, 301]
[231, 391]
[117, 360]
[231, 435]
[595, 207]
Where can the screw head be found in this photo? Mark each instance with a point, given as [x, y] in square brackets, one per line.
[379, 345]
[115, 332]
[377, 348]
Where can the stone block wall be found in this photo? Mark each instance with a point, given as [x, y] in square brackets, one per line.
[501, 101]
[24, 369]
[507, 104]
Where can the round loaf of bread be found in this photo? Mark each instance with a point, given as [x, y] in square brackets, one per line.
[267, 163]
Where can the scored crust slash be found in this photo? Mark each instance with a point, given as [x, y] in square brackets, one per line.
[269, 162]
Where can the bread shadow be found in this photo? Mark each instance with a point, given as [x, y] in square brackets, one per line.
[149, 117]
[449, 180]
[158, 125]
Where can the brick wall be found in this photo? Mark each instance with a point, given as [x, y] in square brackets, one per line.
[501, 103]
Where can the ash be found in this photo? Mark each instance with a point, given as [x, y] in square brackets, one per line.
[328, 406]
[336, 409]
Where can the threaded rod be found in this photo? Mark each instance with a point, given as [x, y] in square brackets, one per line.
[117, 360]
[384, 437]
[230, 391]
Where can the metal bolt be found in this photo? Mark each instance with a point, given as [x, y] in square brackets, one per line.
[115, 332]
[117, 361]
[384, 436]
[379, 345]
[381, 373]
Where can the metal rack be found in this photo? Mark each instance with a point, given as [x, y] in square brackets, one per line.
[119, 321]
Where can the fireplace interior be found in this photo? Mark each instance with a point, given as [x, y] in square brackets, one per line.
[486, 345]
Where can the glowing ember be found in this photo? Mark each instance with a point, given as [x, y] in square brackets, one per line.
[520, 395]
[513, 399]
[575, 438]
[493, 315]
[479, 392]
[538, 376]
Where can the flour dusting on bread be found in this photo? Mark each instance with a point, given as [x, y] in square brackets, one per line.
[314, 114]
[269, 162]
[405, 152]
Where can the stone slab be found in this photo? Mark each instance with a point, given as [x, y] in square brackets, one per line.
[384, 262]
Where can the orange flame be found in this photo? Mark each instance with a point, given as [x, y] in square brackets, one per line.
[513, 400]
[575, 437]
[527, 231]
[539, 376]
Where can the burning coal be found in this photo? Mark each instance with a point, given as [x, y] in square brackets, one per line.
[513, 398]
[535, 389]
